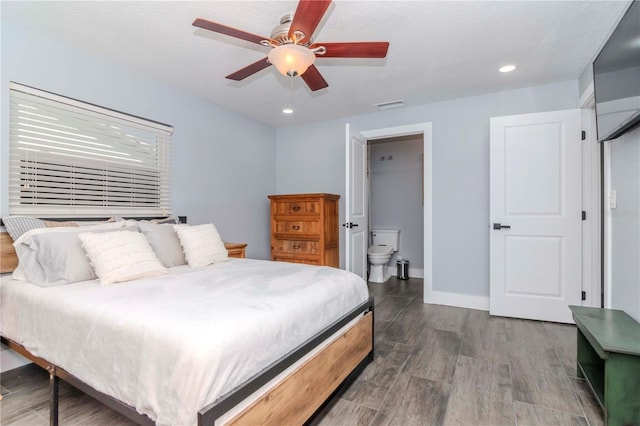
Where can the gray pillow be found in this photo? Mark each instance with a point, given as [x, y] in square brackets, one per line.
[57, 257]
[18, 225]
[164, 242]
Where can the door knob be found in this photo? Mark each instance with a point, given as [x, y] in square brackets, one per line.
[500, 226]
[350, 225]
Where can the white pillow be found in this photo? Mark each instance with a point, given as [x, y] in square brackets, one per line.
[121, 256]
[54, 256]
[201, 244]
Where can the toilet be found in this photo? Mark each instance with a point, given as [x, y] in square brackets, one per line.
[385, 242]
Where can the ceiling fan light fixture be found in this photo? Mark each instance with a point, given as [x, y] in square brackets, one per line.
[291, 59]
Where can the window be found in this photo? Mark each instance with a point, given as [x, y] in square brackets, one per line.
[72, 158]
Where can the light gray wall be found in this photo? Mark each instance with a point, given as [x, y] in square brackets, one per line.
[625, 223]
[223, 163]
[585, 79]
[396, 195]
[312, 158]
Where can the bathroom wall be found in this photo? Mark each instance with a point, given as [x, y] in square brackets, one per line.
[396, 196]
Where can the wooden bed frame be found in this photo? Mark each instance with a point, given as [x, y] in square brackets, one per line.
[292, 400]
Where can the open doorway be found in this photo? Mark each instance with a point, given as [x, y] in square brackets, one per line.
[367, 136]
[396, 198]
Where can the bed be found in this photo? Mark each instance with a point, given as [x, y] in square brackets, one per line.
[239, 342]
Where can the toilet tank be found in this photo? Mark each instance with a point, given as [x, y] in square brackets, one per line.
[386, 237]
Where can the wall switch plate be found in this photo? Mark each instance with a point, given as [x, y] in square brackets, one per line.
[613, 202]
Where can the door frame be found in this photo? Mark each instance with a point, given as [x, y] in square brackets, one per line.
[594, 283]
[606, 225]
[426, 130]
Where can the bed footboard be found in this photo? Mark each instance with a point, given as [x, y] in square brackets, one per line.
[300, 394]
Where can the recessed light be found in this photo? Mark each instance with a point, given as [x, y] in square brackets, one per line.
[507, 68]
[287, 111]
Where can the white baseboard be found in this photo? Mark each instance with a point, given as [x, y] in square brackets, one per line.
[456, 299]
[416, 273]
[10, 360]
[413, 272]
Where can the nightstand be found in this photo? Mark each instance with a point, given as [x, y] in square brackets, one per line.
[236, 249]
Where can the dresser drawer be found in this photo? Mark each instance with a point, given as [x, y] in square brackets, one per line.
[296, 227]
[296, 260]
[293, 208]
[294, 246]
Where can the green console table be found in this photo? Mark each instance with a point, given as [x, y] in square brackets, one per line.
[609, 359]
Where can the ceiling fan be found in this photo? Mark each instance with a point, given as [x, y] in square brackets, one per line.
[293, 52]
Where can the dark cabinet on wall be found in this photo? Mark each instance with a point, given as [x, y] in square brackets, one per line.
[305, 229]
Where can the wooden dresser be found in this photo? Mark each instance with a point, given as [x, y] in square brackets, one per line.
[305, 229]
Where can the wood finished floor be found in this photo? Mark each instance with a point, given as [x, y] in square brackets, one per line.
[434, 365]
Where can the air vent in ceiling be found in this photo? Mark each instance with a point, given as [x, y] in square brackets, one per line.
[391, 104]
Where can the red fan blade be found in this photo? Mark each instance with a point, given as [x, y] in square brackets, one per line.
[307, 17]
[364, 49]
[245, 72]
[232, 32]
[314, 79]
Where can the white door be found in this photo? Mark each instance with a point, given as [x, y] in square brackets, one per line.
[535, 213]
[356, 225]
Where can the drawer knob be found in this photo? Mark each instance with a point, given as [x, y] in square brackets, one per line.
[295, 208]
[296, 227]
[296, 246]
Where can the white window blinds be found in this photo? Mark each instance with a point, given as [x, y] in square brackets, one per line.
[72, 158]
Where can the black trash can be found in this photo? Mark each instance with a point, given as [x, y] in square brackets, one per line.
[403, 269]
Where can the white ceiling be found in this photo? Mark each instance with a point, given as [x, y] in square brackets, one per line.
[438, 49]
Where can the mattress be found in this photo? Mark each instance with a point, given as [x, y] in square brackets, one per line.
[170, 345]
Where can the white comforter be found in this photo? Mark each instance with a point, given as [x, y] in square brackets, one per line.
[170, 345]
